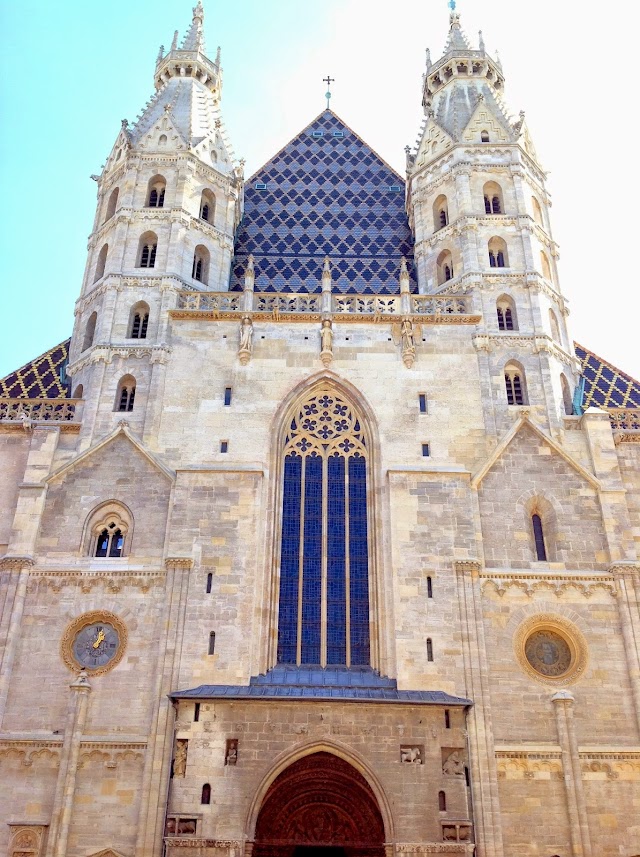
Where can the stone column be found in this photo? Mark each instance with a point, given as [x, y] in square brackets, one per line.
[627, 577]
[576, 804]
[18, 567]
[157, 765]
[66, 784]
[482, 758]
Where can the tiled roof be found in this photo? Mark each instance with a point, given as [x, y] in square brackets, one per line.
[604, 385]
[327, 194]
[313, 682]
[40, 378]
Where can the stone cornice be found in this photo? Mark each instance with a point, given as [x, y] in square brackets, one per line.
[101, 353]
[197, 842]
[468, 566]
[554, 582]
[625, 569]
[16, 563]
[178, 562]
[541, 343]
[111, 581]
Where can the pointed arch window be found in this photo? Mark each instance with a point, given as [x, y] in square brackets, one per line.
[147, 250]
[126, 395]
[324, 557]
[155, 193]
[514, 381]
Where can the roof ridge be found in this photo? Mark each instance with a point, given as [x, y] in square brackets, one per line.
[607, 363]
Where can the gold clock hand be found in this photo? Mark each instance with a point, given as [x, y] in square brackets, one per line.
[98, 639]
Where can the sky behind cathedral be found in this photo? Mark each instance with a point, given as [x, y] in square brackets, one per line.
[72, 71]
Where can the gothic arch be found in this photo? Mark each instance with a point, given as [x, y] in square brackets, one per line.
[280, 426]
[311, 748]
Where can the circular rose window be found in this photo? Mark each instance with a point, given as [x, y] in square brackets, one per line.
[551, 649]
[548, 653]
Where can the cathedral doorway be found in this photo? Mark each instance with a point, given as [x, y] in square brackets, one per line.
[320, 806]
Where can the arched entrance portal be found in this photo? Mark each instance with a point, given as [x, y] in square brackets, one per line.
[320, 806]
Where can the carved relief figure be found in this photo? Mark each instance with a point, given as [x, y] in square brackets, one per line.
[453, 766]
[411, 755]
[180, 761]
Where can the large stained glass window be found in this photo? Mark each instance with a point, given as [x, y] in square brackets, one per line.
[324, 558]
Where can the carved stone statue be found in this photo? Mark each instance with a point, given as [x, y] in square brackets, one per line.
[453, 766]
[180, 761]
[246, 340]
[326, 343]
[411, 755]
[408, 344]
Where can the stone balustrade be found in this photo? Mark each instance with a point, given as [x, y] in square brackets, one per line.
[39, 410]
[625, 419]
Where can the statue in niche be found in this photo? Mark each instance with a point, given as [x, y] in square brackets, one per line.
[326, 342]
[180, 760]
[453, 766]
[411, 755]
[246, 340]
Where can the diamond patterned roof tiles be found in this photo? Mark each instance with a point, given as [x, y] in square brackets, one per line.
[327, 194]
[604, 385]
[40, 378]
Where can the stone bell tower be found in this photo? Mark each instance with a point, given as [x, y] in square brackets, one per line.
[479, 209]
[169, 199]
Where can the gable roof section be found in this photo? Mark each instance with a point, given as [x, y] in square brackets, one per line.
[604, 385]
[326, 195]
[39, 378]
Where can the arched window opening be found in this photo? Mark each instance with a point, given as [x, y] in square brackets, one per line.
[515, 384]
[108, 531]
[444, 264]
[156, 191]
[209, 583]
[112, 204]
[324, 555]
[139, 321]
[546, 267]
[506, 313]
[101, 263]
[110, 542]
[126, 393]
[567, 398]
[200, 267]
[207, 206]
[429, 649]
[90, 331]
[78, 393]
[205, 796]
[162, 140]
[484, 136]
[498, 253]
[537, 211]
[147, 250]
[442, 802]
[440, 213]
[538, 538]
[555, 327]
[493, 203]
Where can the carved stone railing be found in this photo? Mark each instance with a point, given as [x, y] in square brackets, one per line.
[625, 419]
[39, 410]
[275, 305]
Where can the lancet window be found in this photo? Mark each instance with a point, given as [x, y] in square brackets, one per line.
[324, 556]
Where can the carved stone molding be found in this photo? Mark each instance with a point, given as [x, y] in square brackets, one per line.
[110, 754]
[435, 848]
[112, 581]
[194, 842]
[178, 562]
[531, 583]
[103, 353]
[16, 563]
[32, 751]
[625, 569]
[468, 566]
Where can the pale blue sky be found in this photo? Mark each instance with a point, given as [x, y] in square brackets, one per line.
[69, 72]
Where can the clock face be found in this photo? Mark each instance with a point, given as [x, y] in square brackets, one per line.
[96, 645]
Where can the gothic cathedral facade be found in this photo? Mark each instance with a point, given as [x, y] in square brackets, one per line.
[320, 536]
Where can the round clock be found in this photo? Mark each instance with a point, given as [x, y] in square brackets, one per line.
[94, 642]
[551, 649]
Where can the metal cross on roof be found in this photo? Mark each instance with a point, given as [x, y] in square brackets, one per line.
[328, 80]
[452, 5]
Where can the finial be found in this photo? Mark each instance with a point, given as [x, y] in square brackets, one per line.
[218, 55]
[174, 43]
[480, 40]
[198, 11]
[250, 263]
[498, 63]
[124, 123]
[328, 80]
[160, 54]
[326, 268]
[452, 5]
[407, 150]
[428, 57]
[403, 266]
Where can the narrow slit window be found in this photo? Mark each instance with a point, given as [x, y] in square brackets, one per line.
[224, 446]
[429, 649]
[209, 582]
[447, 719]
[196, 712]
[205, 797]
[227, 395]
[426, 450]
[422, 399]
[442, 802]
[212, 643]
[429, 587]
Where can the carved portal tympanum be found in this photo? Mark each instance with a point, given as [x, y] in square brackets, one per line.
[319, 806]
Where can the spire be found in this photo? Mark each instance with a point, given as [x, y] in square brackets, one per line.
[457, 41]
[194, 39]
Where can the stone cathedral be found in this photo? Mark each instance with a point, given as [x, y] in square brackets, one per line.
[320, 535]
